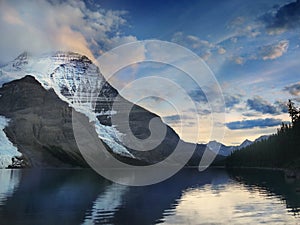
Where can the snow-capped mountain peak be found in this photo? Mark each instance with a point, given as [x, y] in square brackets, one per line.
[245, 144]
[20, 61]
[226, 150]
[213, 145]
[219, 148]
[75, 79]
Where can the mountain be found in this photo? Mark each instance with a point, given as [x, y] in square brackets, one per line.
[247, 142]
[36, 103]
[227, 150]
[40, 124]
[8, 151]
[244, 144]
[38, 95]
[262, 138]
[280, 150]
[223, 149]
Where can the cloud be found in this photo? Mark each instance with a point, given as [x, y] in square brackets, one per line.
[193, 41]
[265, 52]
[185, 120]
[221, 50]
[281, 106]
[41, 26]
[172, 118]
[250, 114]
[232, 100]
[236, 22]
[296, 99]
[198, 95]
[293, 89]
[234, 40]
[249, 124]
[203, 112]
[274, 51]
[285, 18]
[260, 105]
[242, 28]
[239, 60]
[202, 47]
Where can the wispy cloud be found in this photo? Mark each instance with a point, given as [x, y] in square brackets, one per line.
[249, 124]
[198, 95]
[260, 105]
[221, 50]
[293, 89]
[281, 106]
[232, 100]
[172, 118]
[204, 48]
[274, 51]
[242, 27]
[239, 60]
[265, 52]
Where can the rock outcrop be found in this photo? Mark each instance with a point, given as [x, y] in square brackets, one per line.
[40, 124]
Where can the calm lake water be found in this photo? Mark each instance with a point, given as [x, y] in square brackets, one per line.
[215, 196]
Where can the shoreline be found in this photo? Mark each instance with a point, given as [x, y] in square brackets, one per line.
[250, 167]
[288, 173]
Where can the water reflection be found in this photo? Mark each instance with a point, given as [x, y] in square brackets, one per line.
[269, 184]
[82, 197]
[9, 181]
[106, 205]
[52, 197]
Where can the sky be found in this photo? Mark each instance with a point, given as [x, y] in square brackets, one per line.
[251, 47]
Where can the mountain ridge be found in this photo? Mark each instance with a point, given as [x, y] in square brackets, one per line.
[76, 83]
[227, 150]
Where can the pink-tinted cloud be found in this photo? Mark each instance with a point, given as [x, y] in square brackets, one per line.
[40, 26]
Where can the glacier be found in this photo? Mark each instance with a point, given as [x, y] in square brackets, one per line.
[7, 150]
[75, 80]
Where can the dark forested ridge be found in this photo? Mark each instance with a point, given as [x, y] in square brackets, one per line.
[280, 150]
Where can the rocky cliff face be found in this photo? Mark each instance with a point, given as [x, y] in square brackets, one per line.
[40, 124]
[39, 107]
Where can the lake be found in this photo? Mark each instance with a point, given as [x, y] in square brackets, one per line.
[215, 196]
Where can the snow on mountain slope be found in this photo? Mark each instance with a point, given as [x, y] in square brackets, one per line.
[262, 138]
[227, 150]
[245, 144]
[7, 150]
[222, 149]
[75, 79]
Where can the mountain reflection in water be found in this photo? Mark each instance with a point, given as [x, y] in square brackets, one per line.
[190, 197]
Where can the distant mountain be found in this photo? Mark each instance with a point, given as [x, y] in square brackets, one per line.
[280, 150]
[227, 150]
[223, 149]
[247, 142]
[244, 144]
[262, 138]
